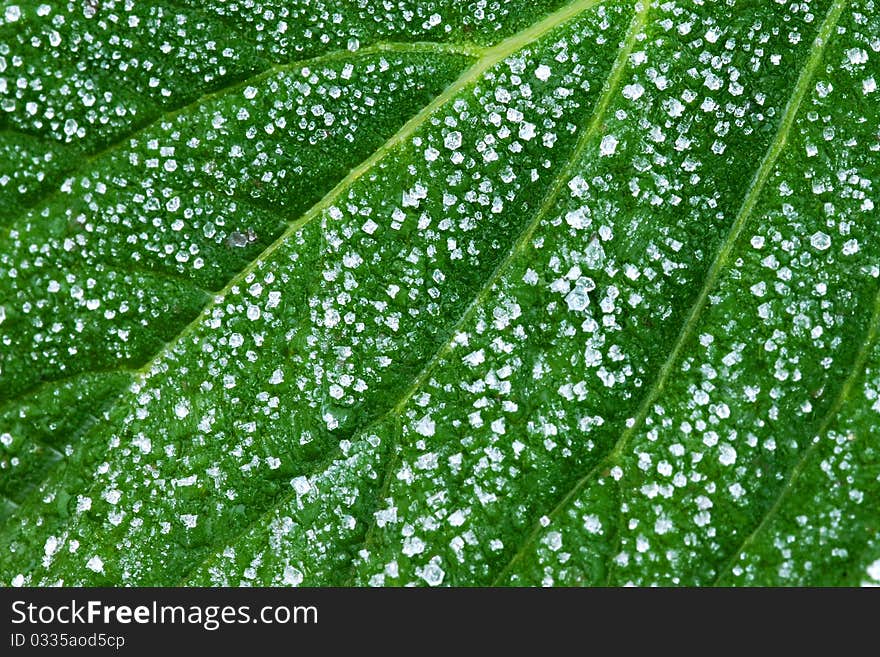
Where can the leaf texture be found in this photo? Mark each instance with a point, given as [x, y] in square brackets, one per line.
[440, 293]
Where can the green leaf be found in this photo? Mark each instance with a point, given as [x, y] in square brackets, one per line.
[440, 293]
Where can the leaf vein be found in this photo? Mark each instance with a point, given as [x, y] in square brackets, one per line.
[37, 388]
[493, 56]
[86, 161]
[609, 88]
[856, 370]
[750, 200]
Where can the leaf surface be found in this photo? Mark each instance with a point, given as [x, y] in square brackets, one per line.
[526, 293]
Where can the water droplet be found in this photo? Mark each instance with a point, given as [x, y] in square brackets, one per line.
[820, 241]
